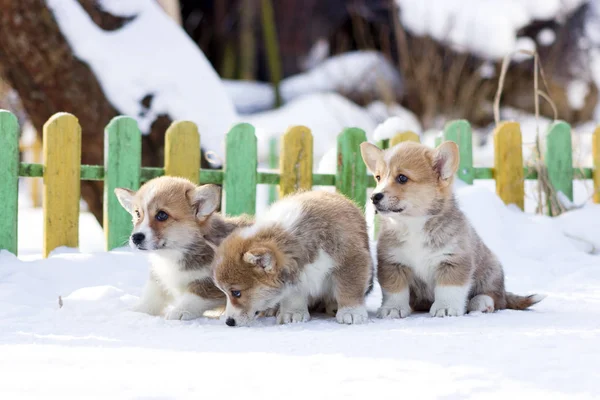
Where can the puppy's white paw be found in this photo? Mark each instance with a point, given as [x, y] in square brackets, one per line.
[393, 312]
[178, 313]
[271, 312]
[352, 315]
[445, 310]
[292, 316]
[481, 303]
[146, 308]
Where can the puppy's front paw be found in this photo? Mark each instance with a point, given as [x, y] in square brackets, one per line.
[352, 315]
[393, 312]
[292, 316]
[270, 312]
[178, 313]
[445, 310]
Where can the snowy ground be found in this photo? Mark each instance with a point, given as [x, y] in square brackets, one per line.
[93, 347]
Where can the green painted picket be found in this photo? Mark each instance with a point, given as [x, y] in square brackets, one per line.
[240, 170]
[351, 177]
[460, 133]
[559, 158]
[9, 181]
[122, 168]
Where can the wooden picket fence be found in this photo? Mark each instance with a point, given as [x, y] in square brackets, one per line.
[61, 170]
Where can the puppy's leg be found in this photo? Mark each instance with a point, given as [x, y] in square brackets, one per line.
[481, 303]
[153, 300]
[394, 280]
[200, 297]
[452, 285]
[350, 285]
[293, 308]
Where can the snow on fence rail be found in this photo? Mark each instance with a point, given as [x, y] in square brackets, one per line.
[62, 172]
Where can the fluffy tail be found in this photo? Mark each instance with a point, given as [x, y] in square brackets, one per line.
[516, 302]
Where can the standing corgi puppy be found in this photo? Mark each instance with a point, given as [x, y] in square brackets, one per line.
[308, 248]
[173, 220]
[429, 255]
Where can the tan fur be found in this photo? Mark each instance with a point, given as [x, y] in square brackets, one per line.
[182, 246]
[269, 262]
[426, 244]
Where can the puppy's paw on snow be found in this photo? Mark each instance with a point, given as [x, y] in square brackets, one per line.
[481, 303]
[182, 314]
[352, 315]
[393, 312]
[445, 310]
[270, 312]
[292, 316]
[145, 308]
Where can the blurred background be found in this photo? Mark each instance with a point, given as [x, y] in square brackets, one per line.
[326, 64]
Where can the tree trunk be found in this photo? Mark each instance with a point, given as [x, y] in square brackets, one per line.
[36, 61]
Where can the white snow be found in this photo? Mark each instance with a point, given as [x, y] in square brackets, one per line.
[546, 37]
[485, 27]
[141, 59]
[249, 96]
[93, 347]
[394, 125]
[577, 91]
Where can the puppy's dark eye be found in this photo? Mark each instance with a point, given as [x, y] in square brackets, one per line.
[137, 213]
[161, 216]
[377, 178]
[236, 293]
[402, 179]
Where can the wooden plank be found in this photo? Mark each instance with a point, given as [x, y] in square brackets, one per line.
[296, 160]
[351, 169]
[460, 133]
[62, 155]
[273, 164]
[9, 181]
[559, 158]
[406, 136]
[596, 166]
[240, 170]
[508, 163]
[182, 151]
[122, 164]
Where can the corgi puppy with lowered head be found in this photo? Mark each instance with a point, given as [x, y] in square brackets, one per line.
[308, 248]
[172, 220]
[429, 255]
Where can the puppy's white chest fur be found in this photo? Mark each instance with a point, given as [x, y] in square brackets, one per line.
[174, 279]
[412, 249]
[315, 278]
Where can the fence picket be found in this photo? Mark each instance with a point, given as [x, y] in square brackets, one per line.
[62, 156]
[460, 133]
[9, 181]
[559, 158]
[122, 168]
[596, 164]
[508, 163]
[273, 164]
[406, 136]
[351, 170]
[182, 151]
[296, 160]
[240, 170]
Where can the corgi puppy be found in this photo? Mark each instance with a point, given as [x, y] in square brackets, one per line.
[429, 255]
[172, 220]
[308, 248]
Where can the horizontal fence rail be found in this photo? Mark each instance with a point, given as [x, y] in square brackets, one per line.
[62, 170]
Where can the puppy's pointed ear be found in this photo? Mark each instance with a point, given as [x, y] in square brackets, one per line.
[125, 197]
[205, 200]
[370, 154]
[261, 257]
[445, 160]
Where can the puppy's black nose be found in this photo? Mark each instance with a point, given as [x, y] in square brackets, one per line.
[376, 198]
[230, 321]
[138, 238]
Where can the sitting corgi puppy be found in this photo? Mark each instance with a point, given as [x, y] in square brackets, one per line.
[308, 248]
[173, 220]
[429, 255]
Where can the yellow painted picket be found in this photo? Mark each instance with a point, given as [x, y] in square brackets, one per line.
[508, 163]
[596, 164]
[62, 156]
[406, 136]
[296, 160]
[182, 151]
